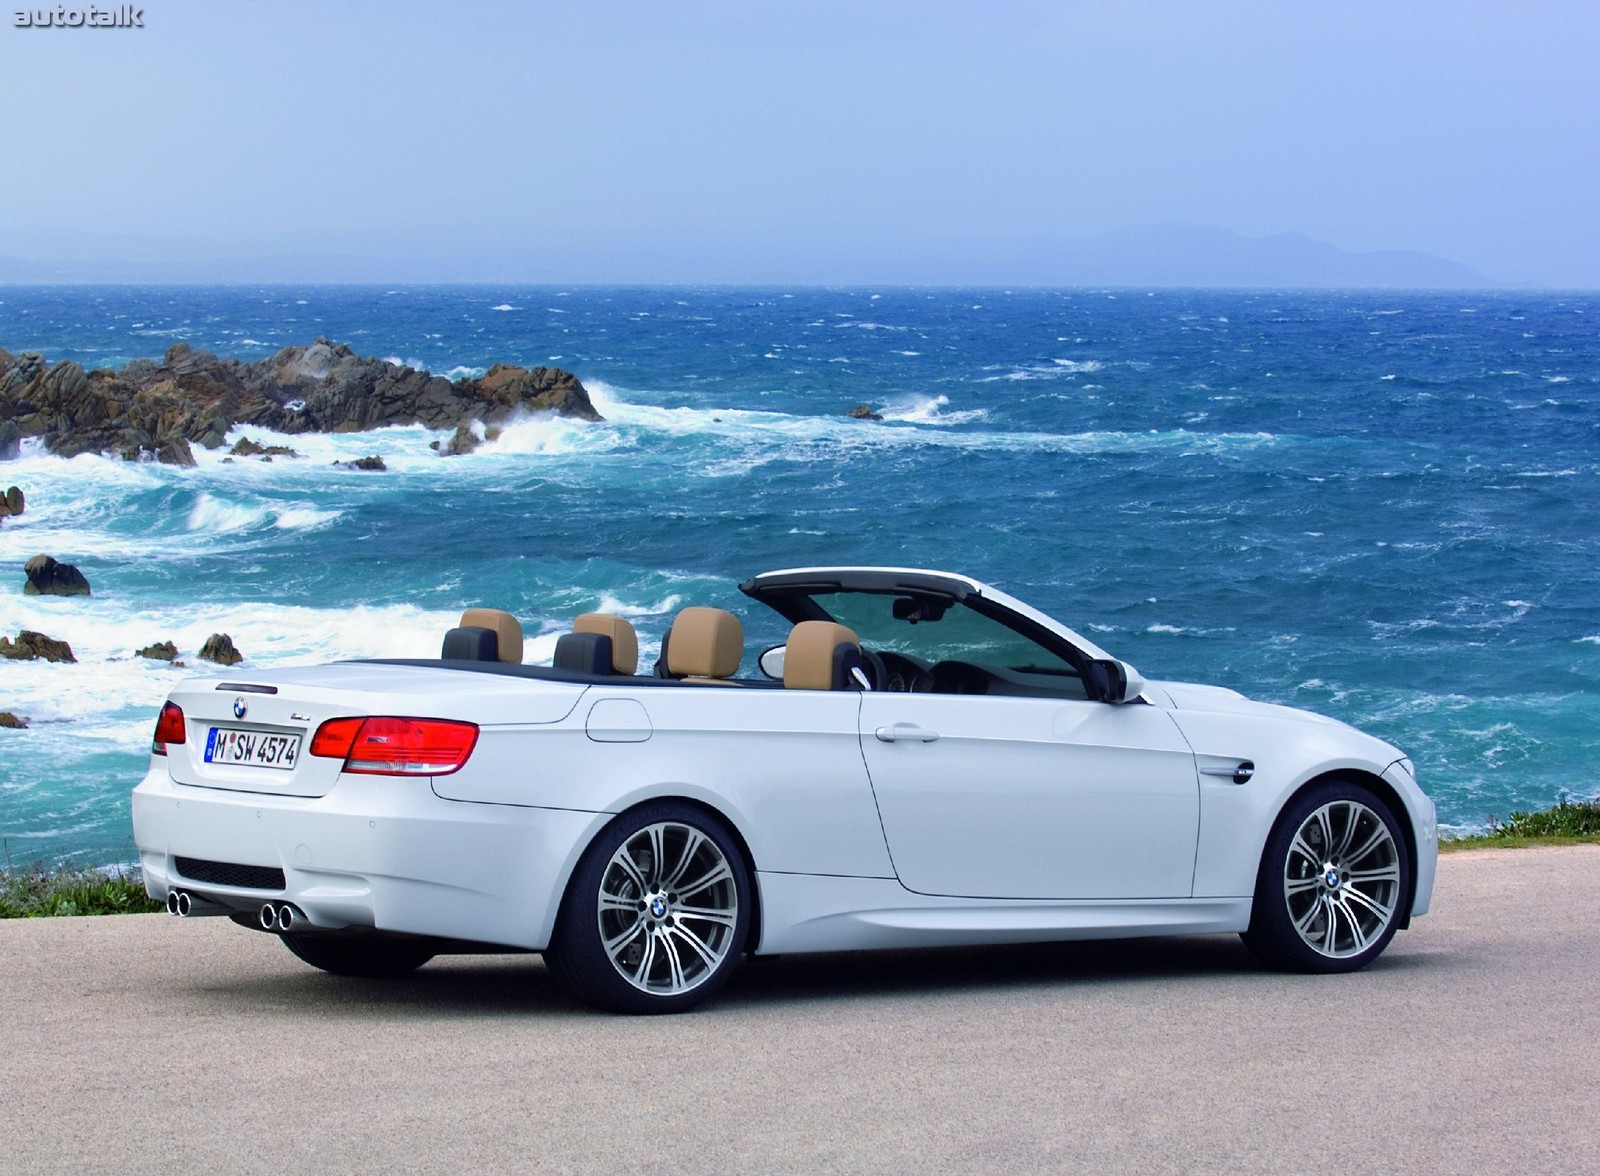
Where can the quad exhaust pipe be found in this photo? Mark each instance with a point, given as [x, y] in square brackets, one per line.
[282, 916]
[189, 906]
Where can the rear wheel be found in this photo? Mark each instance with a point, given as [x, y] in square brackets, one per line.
[365, 956]
[1332, 881]
[657, 913]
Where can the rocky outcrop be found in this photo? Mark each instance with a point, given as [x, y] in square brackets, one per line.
[12, 502]
[864, 412]
[372, 462]
[194, 398]
[463, 440]
[14, 722]
[219, 648]
[48, 577]
[245, 447]
[160, 651]
[32, 646]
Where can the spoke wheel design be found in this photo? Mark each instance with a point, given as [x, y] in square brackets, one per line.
[1333, 883]
[1342, 879]
[668, 908]
[657, 913]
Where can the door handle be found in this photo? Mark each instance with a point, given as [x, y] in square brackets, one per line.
[906, 732]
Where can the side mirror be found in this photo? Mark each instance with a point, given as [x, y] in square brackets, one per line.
[1109, 680]
[771, 662]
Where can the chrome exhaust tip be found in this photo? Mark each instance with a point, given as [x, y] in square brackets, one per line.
[185, 904]
[288, 917]
[269, 917]
[172, 902]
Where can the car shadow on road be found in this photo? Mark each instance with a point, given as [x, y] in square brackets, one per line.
[474, 987]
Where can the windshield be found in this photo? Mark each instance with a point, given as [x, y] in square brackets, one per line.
[936, 631]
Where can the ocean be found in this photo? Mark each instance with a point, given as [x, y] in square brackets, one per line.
[1378, 506]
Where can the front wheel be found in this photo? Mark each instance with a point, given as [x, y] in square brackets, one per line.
[657, 913]
[1331, 883]
[370, 956]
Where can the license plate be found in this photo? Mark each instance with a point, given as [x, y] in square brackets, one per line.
[259, 749]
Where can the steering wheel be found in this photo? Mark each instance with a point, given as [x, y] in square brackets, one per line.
[902, 674]
[958, 677]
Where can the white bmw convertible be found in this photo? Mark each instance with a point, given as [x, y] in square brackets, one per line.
[925, 761]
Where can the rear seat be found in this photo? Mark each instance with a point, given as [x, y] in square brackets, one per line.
[484, 634]
[703, 648]
[599, 644]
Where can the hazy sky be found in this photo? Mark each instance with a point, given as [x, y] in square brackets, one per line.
[716, 141]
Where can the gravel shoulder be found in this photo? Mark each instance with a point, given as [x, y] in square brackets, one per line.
[149, 1044]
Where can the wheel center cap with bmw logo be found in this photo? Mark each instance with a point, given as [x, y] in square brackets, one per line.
[658, 908]
[1330, 878]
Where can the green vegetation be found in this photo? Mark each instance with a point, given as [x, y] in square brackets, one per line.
[38, 892]
[1570, 822]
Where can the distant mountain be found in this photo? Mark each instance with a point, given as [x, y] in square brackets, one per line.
[1170, 254]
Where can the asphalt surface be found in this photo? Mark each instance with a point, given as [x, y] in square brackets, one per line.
[149, 1044]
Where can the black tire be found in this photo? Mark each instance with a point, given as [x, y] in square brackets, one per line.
[657, 913]
[369, 956]
[1333, 882]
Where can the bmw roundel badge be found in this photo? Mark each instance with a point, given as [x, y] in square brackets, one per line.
[238, 708]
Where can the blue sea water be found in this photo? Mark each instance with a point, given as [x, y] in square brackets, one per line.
[1378, 506]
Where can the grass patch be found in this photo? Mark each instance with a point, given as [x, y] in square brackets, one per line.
[1568, 822]
[38, 892]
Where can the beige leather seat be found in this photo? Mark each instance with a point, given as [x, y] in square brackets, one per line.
[704, 646]
[599, 644]
[485, 634]
[820, 655]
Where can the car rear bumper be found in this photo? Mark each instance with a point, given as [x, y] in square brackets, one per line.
[374, 852]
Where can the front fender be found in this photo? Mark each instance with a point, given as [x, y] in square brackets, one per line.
[1288, 752]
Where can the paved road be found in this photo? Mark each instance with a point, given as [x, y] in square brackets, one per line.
[146, 1044]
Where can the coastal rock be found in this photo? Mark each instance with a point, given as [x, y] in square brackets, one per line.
[506, 390]
[14, 501]
[374, 462]
[14, 722]
[160, 651]
[48, 577]
[245, 447]
[864, 412]
[32, 646]
[219, 648]
[10, 441]
[159, 410]
[463, 440]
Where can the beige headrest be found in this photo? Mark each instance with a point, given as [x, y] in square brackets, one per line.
[705, 643]
[808, 658]
[507, 630]
[624, 641]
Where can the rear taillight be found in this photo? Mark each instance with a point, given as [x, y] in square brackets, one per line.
[169, 729]
[386, 746]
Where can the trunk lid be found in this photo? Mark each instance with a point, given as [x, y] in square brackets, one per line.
[252, 732]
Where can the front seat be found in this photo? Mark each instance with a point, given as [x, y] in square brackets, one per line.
[598, 644]
[704, 646]
[822, 655]
[485, 634]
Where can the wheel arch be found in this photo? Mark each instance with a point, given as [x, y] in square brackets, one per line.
[1385, 792]
[741, 843]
